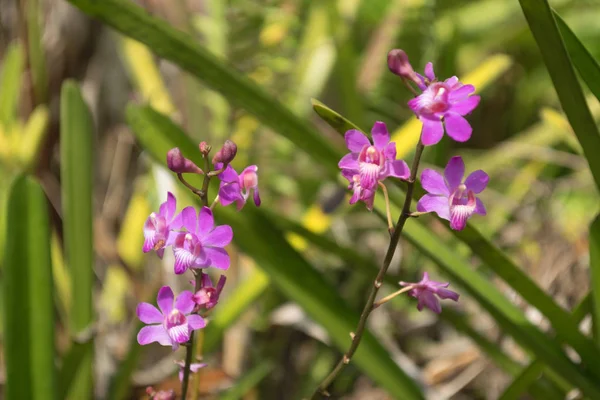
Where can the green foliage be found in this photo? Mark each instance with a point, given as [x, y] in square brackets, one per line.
[546, 33]
[76, 176]
[28, 296]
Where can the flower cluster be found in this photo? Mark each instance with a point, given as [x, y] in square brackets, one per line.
[197, 244]
[440, 106]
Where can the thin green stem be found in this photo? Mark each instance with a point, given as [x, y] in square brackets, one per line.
[391, 296]
[362, 322]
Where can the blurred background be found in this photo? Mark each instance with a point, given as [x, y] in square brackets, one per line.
[267, 338]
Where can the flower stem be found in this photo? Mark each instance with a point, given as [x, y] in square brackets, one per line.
[214, 203]
[189, 350]
[387, 207]
[391, 296]
[362, 322]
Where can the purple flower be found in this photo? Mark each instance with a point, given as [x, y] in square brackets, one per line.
[202, 245]
[367, 164]
[194, 367]
[158, 229]
[237, 188]
[358, 192]
[451, 198]
[208, 295]
[442, 105]
[171, 325]
[426, 291]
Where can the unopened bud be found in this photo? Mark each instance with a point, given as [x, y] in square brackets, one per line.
[226, 154]
[205, 148]
[179, 164]
[398, 64]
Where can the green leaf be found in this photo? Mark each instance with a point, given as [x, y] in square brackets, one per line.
[76, 151]
[184, 51]
[248, 381]
[595, 274]
[588, 67]
[546, 34]
[10, 82]
[256, 235]
[28, 298]
[334, 119]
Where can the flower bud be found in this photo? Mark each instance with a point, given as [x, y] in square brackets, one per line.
[205, 148]
[179, 164]
[398, 64]
[226, 154]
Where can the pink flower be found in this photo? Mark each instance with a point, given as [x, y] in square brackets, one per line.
[194, 367]
[426, 291]
[208, 295]
[202, 246]
[237, 188]
[442, 105]
[171, 325]
[368, 164]
[451, 198]
[158, 228]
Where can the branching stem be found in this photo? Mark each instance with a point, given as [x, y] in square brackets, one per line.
[362, 322]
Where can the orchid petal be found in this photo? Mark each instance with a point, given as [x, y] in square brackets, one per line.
[149, 314]
[184, 302]
[216, 257]
[206, 221]
[432, 132]
[153, 333]
[457, 127]
[196, 322]
[220, 237]
[477, 181]
[356, 140]
[165, 300]
[454, 172]
[349, 161]
[437, 204]
[434, 183]
[380, 134]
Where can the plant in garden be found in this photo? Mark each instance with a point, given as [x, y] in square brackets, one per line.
[438, 105]
[197, 244]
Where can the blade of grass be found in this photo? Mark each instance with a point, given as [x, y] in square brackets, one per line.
[257, 236]
[588, 67]
[184, 51]
[595, 274]
[547, 36]
[28, 299]
[76, 148]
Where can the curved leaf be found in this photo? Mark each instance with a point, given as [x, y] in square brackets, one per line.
[184, 51]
